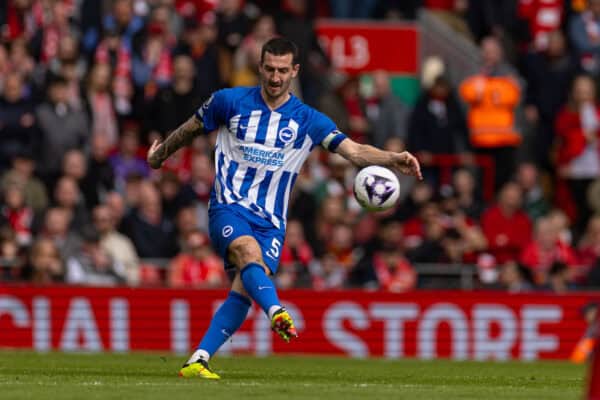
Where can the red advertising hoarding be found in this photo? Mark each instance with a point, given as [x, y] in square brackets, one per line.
[459, 325]
[363, 47]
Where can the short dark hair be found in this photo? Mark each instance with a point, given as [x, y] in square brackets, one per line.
[280, 47]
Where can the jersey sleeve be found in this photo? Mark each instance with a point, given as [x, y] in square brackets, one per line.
[323, 131]
[213, 112]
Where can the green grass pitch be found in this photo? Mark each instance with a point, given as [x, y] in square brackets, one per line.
[25, 375]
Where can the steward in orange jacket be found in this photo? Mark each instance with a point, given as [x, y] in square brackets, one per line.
[492, 102]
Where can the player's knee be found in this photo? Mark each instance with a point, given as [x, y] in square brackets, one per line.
[245, 250]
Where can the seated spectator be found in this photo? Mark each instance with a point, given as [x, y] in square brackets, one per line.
[197, 266]
[100, 178]
[327, 273]
[492, 97]
[152, 65]
[11, 262]
[340, 245]
[506, 226]
[394, 272]
[150, 231]
[542, 17]
[560, 279]
[68, 196]
[202, 176]
[18, 130]
[535, 203]
[127, 161]
[296, 256]
[56, 228]
[18, 215]
[469, 201]
[45, 265]
[62, 129]
[578, 159]
[415, 228]
[21, 173]
[118, 209]
[589, 245]
[116, 245]
[174, 194]
[358, 124]
[514, 278]
[545, 250]
[92, 265]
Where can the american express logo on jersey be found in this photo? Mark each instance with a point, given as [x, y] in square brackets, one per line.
[265, 157]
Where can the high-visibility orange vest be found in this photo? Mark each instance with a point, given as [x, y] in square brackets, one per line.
[491, 117]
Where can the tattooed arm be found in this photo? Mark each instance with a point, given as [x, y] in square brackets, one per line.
[182, 136]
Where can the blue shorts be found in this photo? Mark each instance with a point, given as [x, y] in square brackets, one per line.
[227, 222]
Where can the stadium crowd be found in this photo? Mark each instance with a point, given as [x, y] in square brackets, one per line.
[87, 85]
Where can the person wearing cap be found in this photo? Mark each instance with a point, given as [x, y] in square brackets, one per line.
[196, 266]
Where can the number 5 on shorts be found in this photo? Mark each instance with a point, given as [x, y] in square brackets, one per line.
[273, 252]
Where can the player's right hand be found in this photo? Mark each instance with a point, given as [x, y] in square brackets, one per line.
[153, 158]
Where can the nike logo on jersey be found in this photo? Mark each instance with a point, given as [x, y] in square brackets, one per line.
[265, 287]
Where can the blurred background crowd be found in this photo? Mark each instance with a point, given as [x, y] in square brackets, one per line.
[87, 85]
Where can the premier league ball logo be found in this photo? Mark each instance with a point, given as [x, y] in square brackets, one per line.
[376, 188]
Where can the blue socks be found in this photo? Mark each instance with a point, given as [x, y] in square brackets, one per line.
[232, 313]
[228, 318]
[260, 288]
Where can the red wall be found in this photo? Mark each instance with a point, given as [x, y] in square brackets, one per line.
[475, 325]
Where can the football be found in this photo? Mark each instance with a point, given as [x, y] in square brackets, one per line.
[376, 188]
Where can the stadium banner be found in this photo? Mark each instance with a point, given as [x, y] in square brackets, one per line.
[357, 46]
[458, 325]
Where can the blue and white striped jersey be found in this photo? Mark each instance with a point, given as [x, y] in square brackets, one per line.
[260, 151]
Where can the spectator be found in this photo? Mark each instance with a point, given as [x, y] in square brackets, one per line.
[506, 226]
[543, 17]
[394, 272]
[468, 198]
[543, 100]
[589, 245]
[18, 215]
[116, 204]
[584, 33]
[535, 203]
[124, 21]
[202, 176]
[56, 229]
[100, 178]
[296, 24]
[175, 196]
[492, 96]
[387, 115]
[127, 161]
[10, 261]
[578, 158]
[545, 250]
[103, 115]
[56, 26]
[173, 105]
[233, 24]
[152, 234]
[118, 246]
[92, 265]
[197, 266]
[68, 196]
[327, 273]
[560, 279]
[358, 124]
[296, 256]
[198, 42]
[437, 126]
[514, 278]
[152, 66]
[23, 166]
[247, 56]
[17, 120]
[45, 264]
[63, 129]
[187, 221]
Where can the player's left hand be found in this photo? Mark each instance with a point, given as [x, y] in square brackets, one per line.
[406, 164]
